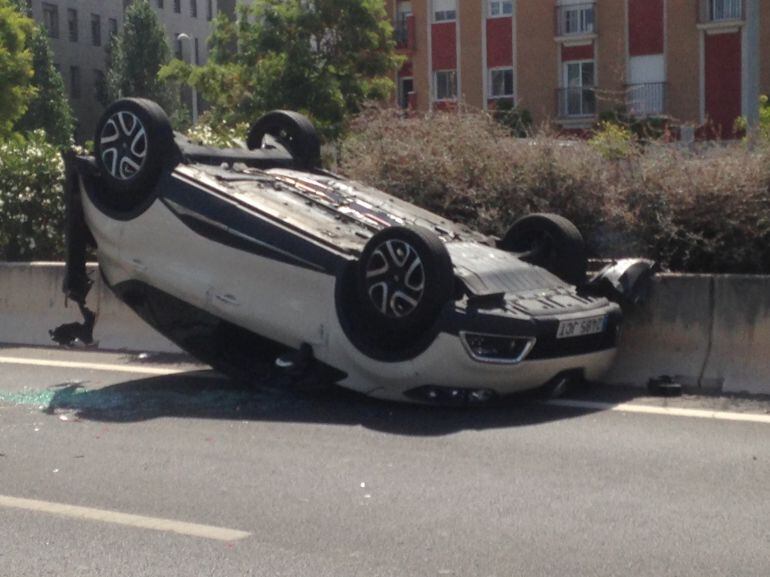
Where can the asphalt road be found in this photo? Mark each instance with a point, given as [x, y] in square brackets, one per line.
[187, 474]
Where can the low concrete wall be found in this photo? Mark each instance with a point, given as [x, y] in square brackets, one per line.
[32, 303]
[709, 332]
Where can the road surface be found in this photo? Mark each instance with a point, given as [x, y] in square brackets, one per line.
[114, 465]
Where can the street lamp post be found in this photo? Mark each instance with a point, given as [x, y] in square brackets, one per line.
[185, 36]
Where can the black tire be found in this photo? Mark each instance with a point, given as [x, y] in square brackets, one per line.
[405, 278]
[134, 140]
[551, 242]
[293, 131]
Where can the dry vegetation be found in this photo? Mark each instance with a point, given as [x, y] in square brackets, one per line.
[704, 211]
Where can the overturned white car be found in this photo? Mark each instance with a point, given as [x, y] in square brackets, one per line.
[239, 256]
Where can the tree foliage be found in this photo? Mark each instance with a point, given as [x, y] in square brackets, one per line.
[321, 57]
[15, 65]
[31, 199]
[136, 55]
[49, 109]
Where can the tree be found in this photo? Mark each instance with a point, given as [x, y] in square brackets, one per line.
[15, 65]
[321, 57]
[49, 109]
[136, 55]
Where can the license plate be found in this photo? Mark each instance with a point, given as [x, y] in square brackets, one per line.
[581, 327]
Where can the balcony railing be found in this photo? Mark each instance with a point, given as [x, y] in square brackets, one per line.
[576, 19]
[720, 10]
[647, 99]
[576, 101]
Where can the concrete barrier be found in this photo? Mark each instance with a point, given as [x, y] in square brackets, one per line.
[32, 303]
[668, 335]
[740, 337]
[707, 331]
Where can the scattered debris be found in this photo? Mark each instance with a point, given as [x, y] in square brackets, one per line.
[664, 386]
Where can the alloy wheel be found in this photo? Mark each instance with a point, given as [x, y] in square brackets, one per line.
[123, 144]
[395, 278]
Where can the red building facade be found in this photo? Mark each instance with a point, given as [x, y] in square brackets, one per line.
[697, 62]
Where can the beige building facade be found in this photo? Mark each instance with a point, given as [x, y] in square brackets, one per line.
[698, 63]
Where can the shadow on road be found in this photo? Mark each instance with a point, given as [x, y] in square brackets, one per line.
[207, 395]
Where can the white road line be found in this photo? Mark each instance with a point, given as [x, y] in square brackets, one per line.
[136, 521]
[670, 411]
[92, 366]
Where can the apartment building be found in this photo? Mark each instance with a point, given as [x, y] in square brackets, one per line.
[696, 62]
[79, 32]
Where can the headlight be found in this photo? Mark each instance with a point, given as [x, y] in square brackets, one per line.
[496, 348]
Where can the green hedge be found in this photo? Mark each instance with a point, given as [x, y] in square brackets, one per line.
[31, 199]
[693, 211]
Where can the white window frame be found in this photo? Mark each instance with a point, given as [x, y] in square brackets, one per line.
[725, 10]
[403, 97]
[444, 10]
[499, 8]
[581, 11]
[491, 84]
[452, 72]
[567, 85]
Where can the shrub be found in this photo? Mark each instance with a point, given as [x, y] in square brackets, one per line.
[31, 199]
[613, 141]
[693, 212]
[518, 120]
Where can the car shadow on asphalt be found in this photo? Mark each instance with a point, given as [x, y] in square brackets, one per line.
[210, 396]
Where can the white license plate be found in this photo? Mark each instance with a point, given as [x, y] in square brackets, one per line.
[581, 327]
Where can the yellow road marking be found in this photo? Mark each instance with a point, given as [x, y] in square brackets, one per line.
[670, 411]
[136, 521]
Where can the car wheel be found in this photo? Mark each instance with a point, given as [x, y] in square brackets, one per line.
[133, 141]
[291, 130]
[405, 278]
[551, 242]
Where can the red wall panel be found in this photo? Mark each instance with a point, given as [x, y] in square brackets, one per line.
[444, 46]
[499, 42]
[723, 81]
[645, 27]
[406, 70]
[569, 53]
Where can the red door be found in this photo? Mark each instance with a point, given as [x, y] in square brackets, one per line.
[723, 82]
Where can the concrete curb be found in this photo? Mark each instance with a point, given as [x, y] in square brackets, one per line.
[706, 331]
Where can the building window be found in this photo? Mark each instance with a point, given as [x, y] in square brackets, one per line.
[160, 4]
[578, 97]
[74, 82]
[405, 88]
[717, 10]
[178, 6]
[444, 10]
[401, 26]
[445, 82]
[194, 8]
[209, 9]
[499, 8]
[113, 26]
[96, 30]
[51, 19]
[575, 19]
[197, 55]
[501, 83]
[72, 24]
[99, 85]
[178, 54]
